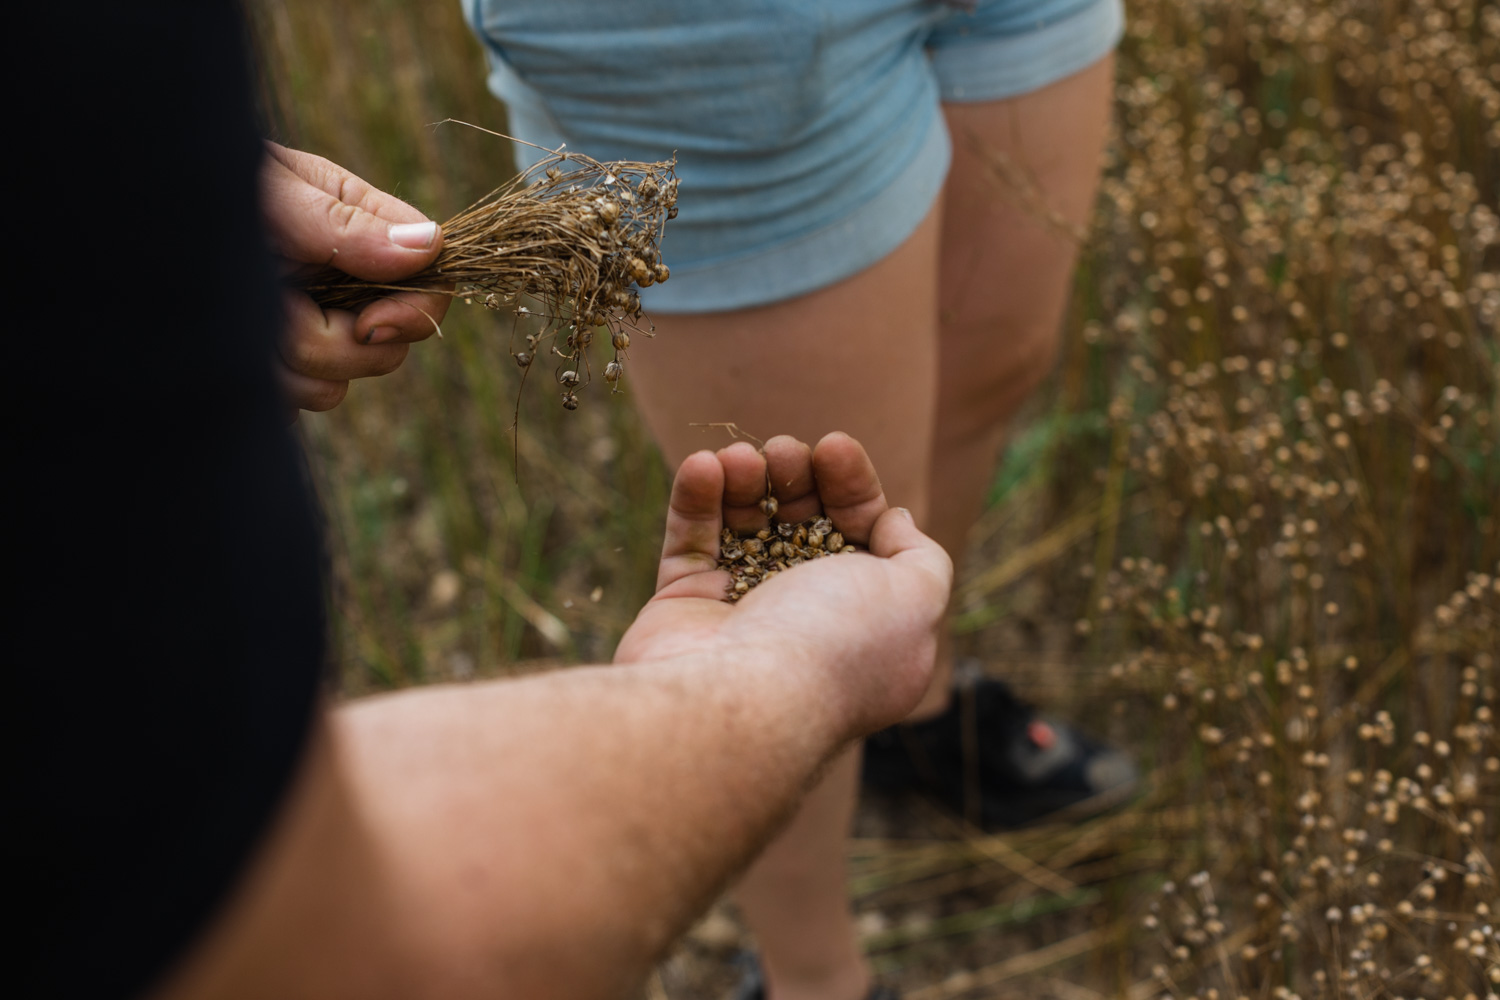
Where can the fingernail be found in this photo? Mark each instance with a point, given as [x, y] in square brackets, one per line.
[381, 334]
[905, 513]
[413, 235]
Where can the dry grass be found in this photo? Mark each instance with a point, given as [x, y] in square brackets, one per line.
[1250, 527]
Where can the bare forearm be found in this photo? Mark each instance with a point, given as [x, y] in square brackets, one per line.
[568, 826]
[539, 838]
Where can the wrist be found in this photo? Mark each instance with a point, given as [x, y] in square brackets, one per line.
[780, 687]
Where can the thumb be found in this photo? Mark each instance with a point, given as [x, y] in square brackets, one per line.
[317, 212]
[896, 536]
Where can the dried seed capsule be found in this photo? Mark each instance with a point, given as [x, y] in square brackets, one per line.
[553, 173]
[613, 371]
[661, 272]
[637, 270]
[620, 339]
[569, 379]
[583, 337]
[672, 211]
[776, 549]
[764, 534]
[835, 542]
[769, 506]
[523, 359]
[815, 540]
[570, 400]
[609, 212]
[740, 586]
[648, 188]
[753, 545]
[847, 549]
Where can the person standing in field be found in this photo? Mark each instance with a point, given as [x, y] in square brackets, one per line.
[845, 259]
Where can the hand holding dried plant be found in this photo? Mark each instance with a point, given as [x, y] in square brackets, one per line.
[574, 237]
[861, 628]
[319, 214]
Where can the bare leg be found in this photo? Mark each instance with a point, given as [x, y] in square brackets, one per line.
[796, 897]
[1005, 272]
[928, 392]
[1006, 265]
[861, 357]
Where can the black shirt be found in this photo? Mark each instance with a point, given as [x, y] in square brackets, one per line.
[163, 551]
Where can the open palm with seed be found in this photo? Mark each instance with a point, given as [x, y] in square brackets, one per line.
[878, 609]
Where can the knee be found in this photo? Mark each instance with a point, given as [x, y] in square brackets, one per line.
[1034, 352]
[991, 370]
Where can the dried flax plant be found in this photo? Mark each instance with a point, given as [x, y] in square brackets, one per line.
[574, 236]
[1303, 305]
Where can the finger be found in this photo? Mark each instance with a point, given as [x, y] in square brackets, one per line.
[895, 535]
[789, 463]
[318, 213]
[321, 344]
[848, 486]
[310, 393]
[694, 518]
[744, 486]
[401, 318]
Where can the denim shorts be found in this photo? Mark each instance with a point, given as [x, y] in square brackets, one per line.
[808, 133]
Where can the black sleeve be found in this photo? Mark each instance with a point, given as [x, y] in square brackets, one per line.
[163, 550]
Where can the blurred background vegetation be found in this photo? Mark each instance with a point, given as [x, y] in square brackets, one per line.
[1249, 527]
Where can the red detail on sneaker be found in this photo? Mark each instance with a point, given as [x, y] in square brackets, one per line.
[1043, 735]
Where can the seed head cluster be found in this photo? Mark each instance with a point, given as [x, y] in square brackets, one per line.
[569, 242]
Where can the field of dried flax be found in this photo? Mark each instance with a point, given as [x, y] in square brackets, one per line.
[1250, 528]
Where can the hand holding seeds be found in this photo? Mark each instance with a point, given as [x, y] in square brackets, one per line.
[859, 628]
[319, 214]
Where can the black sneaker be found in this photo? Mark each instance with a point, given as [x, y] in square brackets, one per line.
[752, 984]
[992, 760]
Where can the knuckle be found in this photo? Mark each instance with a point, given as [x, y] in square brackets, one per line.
[342, 218]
